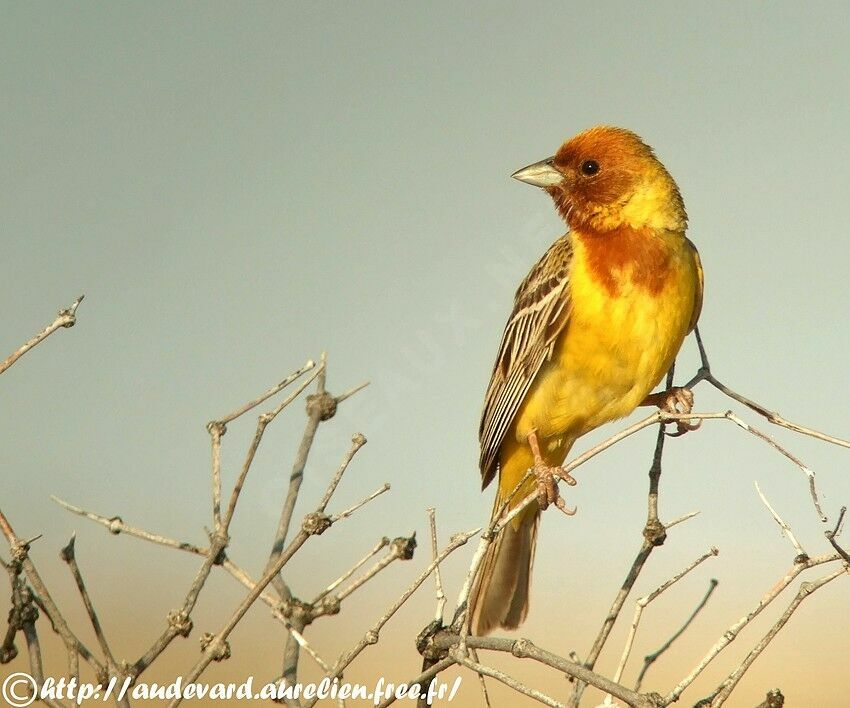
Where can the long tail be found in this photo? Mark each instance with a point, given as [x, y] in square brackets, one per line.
[499, 596]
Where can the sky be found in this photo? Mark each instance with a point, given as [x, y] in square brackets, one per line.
[237, 188]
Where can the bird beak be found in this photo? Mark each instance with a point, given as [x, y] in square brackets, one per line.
[540, 174]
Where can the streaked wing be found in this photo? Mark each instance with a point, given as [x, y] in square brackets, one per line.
[541, 311]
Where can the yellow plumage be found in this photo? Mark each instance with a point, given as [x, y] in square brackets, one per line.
[596, 325]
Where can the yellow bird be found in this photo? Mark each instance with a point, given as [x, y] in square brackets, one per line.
[595, 326]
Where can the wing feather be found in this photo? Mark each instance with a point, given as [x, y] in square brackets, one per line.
[540, 314]
[700, 287]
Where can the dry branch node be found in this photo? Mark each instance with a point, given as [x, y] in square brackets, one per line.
[218, 650]
[655, 532]
[8, 653]
[425, 642]
[403, 547]
[315, 523]
[324, 404]
[297, 610]
[520, 648]
[216, 427]
[328, 605]
[773, 699]
[180, 622]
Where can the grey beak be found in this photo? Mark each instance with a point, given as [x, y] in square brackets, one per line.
[540, 174]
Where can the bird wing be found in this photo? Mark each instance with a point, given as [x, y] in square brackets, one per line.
[541, 312]
[700, 286]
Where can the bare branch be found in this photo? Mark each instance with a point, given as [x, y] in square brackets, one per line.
[115, 525]
[518, 686]
[525, 649]
[438, 579]
[217, 428]
[358, 440]
[371, 636]
[277, 388]
[400, 548]
[74, 647]
[345, 513]
[704, 374]
[215, 647]
[800, 564]
[315, 412]
[65, 318]
[725, 689]
[642, 603]
[786, 529]
[425, 676]
[654, 533]
[383, 543]
[832, 535]
[69, 556]
[262, 423]
[650, 659]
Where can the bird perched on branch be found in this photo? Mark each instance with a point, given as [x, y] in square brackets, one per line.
[595, 326]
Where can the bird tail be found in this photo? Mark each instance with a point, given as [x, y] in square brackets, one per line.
[499, 596]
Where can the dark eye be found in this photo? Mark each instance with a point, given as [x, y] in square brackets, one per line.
[589, 167]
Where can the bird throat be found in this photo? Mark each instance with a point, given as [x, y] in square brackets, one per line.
[626, 258]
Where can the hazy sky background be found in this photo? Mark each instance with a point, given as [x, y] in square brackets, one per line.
[238, 186]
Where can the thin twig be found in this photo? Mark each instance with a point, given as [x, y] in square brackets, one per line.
[525, 649]
[518, 686]
[705, 374]
[426, 675]
[832, 535]
[314, 417]
[641, 605]
[807, 588]
[68, 555]
[308, 365]
[115, 525]
[800, 564]
[42, 597]
[65, 318]
[654, 534]
[438, 579]
[358, 440]
[385, 487]
[401, 547]
[372, 635]
[216, 647]
[36, 665]
[786, 529]
[650, 659]
[383, 543]
[263, 422]
[481, 682]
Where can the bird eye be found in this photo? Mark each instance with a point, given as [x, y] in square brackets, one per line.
[589, 167]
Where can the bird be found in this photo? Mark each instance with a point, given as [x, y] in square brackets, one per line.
[596, 324]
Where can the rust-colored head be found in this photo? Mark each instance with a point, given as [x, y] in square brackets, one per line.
[607, 178]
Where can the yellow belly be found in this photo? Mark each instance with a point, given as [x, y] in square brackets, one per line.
[614, 351]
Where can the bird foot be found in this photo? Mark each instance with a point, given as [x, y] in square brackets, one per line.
[547, 487]
[677, 400]
[547, 479]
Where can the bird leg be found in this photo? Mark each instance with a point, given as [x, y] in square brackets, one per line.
[675, 400]
[547, 476]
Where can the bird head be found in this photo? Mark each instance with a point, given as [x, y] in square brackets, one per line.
[607, 178]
